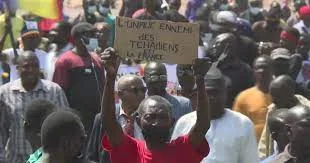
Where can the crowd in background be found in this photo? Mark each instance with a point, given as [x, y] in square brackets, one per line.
[66, 96]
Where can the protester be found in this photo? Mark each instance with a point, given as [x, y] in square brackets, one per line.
[254, 12]
[155, 78]
[280, 61]
[294, 18]
[103, 34]
[277, 121]
[129, 7]
[192, 8]
[59, 43]
[31, 39]
[186, 80]
[303, 25]
[131, 91]
[298, 132]
[63, 137]
[154, 117]
[254, 101]
[35, 114]
[231, 66]
[282, 90]
[289, 39]
[230, 135]
[17, 94]
[80, 73]
[268, 30]
[150, 11]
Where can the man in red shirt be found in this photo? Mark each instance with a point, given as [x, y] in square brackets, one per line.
[154, 118]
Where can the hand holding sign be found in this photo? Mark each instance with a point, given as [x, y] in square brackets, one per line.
[154, 40]
[111, 62]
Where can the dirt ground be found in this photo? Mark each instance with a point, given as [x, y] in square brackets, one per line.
[74, 7]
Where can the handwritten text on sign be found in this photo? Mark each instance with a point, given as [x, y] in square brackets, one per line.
[152, 40]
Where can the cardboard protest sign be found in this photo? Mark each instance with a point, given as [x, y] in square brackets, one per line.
[155, 40]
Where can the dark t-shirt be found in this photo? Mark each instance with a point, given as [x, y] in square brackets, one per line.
[264, 34]
[82, 79]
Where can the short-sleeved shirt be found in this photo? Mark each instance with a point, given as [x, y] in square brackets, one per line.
[179, 150]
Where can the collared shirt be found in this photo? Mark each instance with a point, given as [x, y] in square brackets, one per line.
[231, 137]
[13, 100]
[266, 144]
[282, 157]
[301, 27]
[42, 56]
[123, 121]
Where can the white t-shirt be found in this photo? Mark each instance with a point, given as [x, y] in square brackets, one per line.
[231, 137]
[42, 56]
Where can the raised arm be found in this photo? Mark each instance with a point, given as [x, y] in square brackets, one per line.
[197, 134]
[113, 129]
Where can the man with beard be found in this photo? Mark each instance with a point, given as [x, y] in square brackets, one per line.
[155, 77]
[231, 135]
[154, 117]
[17, 94]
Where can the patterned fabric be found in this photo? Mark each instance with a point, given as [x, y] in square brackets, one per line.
[266, 144]
[13, 100]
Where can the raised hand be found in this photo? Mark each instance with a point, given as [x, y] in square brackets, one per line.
[110, 62]
[201, 66]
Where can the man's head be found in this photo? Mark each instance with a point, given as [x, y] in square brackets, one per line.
[263, 70]
[223, 21]
[280, 61]
[277, 121]
[155, 77]
[282, 90]
[289, 38]
[103, 34]
[215, 87]
[154, 118]
[303, 47]
[84, 36]
[174, 4]
[299, 131]
[226, 42]
[60, 33]
[35, 114]
[131, 91]
[28, 67]
[151, 5]
[185, 76]
[272, 17]
[304, 13]
[31, 39]
[63, 135]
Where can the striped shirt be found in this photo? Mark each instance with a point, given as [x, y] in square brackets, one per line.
[14, 148]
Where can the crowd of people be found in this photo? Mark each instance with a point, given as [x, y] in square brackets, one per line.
[67, 97]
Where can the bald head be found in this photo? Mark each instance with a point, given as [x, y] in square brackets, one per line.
[152, 103]
[155, 66]
[282, 90]
[128, 81]
[298, 113]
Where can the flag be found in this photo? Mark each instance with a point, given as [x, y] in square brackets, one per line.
[43, 8]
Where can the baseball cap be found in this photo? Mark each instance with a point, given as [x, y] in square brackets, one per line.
[82, 27]
[280, 53]
[223, 20]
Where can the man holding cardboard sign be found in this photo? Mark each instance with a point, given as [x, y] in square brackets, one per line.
[155, 40]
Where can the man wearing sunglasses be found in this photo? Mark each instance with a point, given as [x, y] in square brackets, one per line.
[155, 78]
[131, 92]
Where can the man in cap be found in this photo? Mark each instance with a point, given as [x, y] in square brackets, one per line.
[80, 73]
[30, 39]
[231, 135]
[282, 90]
[303, 25]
